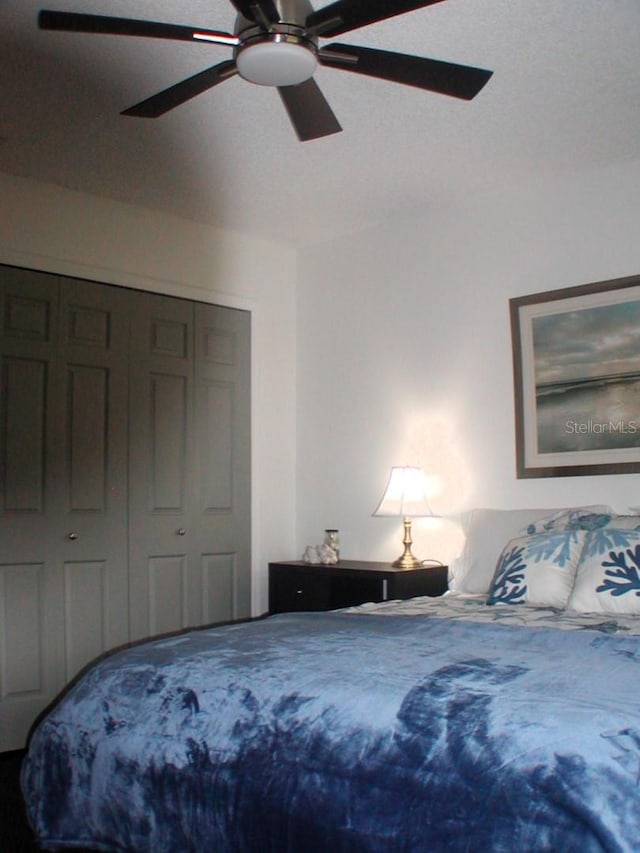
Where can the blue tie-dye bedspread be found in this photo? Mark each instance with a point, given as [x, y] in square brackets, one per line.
[344, 732]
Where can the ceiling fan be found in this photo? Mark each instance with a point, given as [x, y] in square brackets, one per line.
[275, 43]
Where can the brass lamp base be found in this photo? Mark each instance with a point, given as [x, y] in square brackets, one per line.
[406, 560]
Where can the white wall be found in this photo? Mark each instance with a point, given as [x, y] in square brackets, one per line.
[44, 227]
[403, 348]
[404, 355]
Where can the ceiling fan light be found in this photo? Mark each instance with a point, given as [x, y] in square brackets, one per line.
[276, 63]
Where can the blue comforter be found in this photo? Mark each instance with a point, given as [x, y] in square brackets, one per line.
[347, 732]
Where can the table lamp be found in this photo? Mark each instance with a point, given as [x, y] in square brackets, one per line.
[405, 497]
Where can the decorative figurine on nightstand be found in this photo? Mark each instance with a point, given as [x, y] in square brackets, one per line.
[311, 555]
[332, 539]
[328, 557]
[320, 554]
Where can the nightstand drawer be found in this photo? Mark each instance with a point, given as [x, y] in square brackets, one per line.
[292, 590]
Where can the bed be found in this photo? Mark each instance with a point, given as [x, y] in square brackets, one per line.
[504, 716]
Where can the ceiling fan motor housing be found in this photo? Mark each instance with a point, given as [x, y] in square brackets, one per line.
[293, 12]
[282, 55]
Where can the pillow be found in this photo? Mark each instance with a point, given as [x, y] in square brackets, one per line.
[624, 522]
[608, 576]
[582, 518]
[486, 532]
[538, 569]
[611, 535]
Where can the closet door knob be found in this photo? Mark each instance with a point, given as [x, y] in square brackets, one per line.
[72, 535]
[181, 531]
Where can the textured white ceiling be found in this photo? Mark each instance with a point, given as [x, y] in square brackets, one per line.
[565, 95]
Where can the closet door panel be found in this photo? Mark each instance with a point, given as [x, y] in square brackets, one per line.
[167, 593]
[190, 466]
[91, 473]
[168, 432]
[215, 443]
[219, 587]
[28, 341]
[31, 599]
[88, 421]
[27, 661]
[223, 461]
[161, 461]
[87, 606]
[21, 598]
[63, 486]
[23, 446]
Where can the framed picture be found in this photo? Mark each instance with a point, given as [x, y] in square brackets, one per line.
[576, 367]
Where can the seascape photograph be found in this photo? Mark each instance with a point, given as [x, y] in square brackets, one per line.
[587, 378]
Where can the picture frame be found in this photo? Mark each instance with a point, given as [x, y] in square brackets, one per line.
[576, 371]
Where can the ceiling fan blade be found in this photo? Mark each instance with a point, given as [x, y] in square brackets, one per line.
[446, 78]
[172, 97]
[345, 15]
[310, 114]
[81, 23]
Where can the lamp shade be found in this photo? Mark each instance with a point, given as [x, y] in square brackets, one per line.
[405, 494]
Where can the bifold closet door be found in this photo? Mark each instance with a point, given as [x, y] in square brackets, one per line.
[125, 505]
[91, 451]
[63, 445]
[189, 492]
[161, 456]
[223, 462]
[31, 595]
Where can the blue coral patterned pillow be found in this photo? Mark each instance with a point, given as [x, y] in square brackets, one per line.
[608, 576]
[580, 518]
[538, 570]
[626, 522]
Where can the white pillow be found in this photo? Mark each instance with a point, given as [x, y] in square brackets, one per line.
[538, 569]
[487, 531]
[608, 576]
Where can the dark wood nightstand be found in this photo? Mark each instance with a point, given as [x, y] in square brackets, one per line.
[294, 585]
